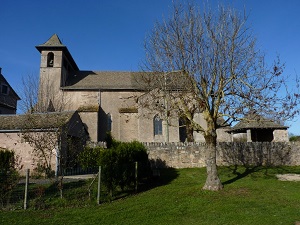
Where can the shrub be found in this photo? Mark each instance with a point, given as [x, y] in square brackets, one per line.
[117, 163]
[9, 175]
[90, 157]
[110, 169]
[294, 138]
[120, 162]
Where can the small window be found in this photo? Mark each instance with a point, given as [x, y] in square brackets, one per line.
[4, 89]
[109, 122]
[50, 59]
[157, 123]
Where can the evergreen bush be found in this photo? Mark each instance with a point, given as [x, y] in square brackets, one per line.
[118, 163]
[9, 175]
[90, 157]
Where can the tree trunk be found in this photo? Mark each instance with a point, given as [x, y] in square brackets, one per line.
[213, 181]
[189, 131]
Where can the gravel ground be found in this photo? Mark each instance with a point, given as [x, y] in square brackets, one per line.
[288, 177]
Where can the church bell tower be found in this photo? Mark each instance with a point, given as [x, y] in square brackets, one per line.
[57, 64]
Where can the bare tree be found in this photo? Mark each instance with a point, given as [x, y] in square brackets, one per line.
[54, 137]
[29, 92]
[207, 62]
[40, 96]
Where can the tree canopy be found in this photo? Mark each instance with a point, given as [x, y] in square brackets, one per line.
[212, 57]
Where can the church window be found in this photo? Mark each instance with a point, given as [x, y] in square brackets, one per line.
[157, 123]
[50, 59]
[109, 122]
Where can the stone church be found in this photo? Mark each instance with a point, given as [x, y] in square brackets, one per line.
[105, 100]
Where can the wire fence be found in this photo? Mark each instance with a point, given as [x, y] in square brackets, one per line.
[94, 187]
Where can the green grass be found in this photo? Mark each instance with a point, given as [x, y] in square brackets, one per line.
[252, 196]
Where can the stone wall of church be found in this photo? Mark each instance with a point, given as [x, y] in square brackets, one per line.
[90, 120]
[127, 122]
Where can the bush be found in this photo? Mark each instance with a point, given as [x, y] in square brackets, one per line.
[89, 157]
[9, 175]
[128, 154]
[118, 163]
[294, 138]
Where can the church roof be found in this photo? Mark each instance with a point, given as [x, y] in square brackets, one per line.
[34, 121]
[254, 121]
[120, 80]
[104, 80]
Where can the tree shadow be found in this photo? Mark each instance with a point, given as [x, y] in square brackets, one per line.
[266, 171]
[248, 170]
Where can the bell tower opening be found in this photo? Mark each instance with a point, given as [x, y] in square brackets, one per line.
[50, 59]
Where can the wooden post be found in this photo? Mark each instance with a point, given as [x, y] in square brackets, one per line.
[26, 189]
[99, 186]
[136, 176]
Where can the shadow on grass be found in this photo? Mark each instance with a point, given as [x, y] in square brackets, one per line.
[53, 189]
[239, 175]
[262, 171]
[161, 175]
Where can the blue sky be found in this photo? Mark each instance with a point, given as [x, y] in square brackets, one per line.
[109, 34]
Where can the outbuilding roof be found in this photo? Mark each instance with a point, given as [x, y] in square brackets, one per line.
[254, 121]
[35, 121]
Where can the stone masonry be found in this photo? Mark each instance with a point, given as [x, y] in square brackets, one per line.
[186, 155]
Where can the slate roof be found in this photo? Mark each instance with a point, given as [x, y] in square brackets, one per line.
[103, 80]
[53, 41]
[255, 121]
[121, 80]
[34, 121]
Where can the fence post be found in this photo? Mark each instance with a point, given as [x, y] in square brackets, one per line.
[26, 189]
[99, 186]
[136, 176]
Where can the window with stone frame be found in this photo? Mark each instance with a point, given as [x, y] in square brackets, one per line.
[157, 124]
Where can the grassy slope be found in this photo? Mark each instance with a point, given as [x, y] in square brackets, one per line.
[257, 198]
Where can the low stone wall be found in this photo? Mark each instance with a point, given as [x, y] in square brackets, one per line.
[185, 155]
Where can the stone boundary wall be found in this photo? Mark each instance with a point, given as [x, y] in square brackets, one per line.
[186, 155]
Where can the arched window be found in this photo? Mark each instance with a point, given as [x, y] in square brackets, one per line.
[157, 123]
[109, 122]
[50, 59]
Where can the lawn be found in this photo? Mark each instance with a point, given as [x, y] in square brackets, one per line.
[250, 196]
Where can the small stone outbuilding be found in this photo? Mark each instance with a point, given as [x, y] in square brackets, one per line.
[65, 132]
[255, 128]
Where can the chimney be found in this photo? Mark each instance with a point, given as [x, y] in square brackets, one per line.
[0, 70]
